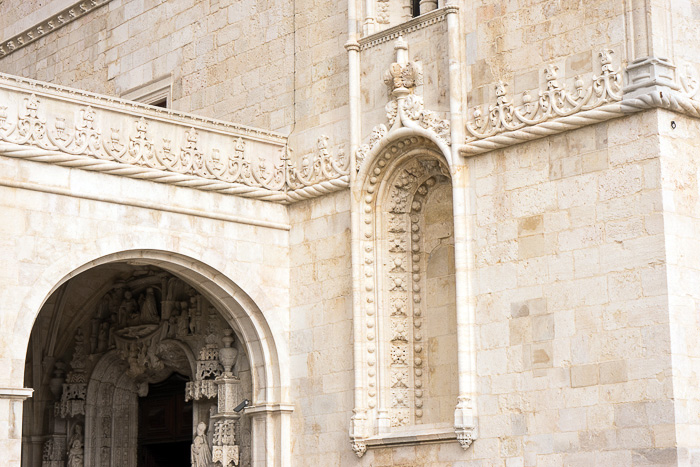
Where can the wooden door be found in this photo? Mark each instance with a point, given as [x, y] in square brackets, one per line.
[165, 425]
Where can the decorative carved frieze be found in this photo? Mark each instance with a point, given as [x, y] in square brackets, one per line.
[554, 101]
[652, 83]
[54, 452]
[225, 451]
[315, 168]
[43, 122]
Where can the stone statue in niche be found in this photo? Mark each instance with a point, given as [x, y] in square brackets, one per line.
[76, 448]
[200, 454]
[149, 310]
[183, 321]
[128, 310]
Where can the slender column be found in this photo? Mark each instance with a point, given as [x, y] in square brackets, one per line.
[465, 412]
[359, 419]
[370, 24]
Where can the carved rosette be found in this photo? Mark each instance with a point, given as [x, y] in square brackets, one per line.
[225, 456]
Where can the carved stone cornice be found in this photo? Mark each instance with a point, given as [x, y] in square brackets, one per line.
[393, 33]
[604, 99]
[136, 109]
[47, 123]
[49, 25]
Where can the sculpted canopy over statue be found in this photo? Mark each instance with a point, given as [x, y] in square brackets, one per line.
[200, 452]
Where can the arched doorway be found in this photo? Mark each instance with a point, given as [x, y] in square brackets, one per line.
[115, 331]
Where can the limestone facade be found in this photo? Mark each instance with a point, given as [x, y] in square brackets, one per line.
[439, 232]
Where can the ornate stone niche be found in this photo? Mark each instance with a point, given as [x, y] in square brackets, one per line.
[409, 346]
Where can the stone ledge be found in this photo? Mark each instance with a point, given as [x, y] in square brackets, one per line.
[392, 33]
[414, 435]
[16, 393]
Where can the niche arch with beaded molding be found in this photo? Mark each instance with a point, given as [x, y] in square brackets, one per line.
[406, 363]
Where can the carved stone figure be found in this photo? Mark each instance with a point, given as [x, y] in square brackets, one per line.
[128, 309]
[200, 454]
[76, 448]
[183, 321]
[149, 310]
[193, 315]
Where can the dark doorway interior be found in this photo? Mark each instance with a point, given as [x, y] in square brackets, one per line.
[165, 425]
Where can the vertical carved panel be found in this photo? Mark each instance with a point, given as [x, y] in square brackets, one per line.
[393, 253]
[404, 269]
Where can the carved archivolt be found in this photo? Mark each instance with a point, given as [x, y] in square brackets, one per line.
[143, 329]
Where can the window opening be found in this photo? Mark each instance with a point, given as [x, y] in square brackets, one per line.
[157, 93]
[415, 4]
[163, 103]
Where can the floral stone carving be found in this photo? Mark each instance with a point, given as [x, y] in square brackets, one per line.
[552, 102]
[404, 80]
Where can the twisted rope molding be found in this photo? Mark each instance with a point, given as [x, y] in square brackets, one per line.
[146, 173]
[669, 100]
[322, 188]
